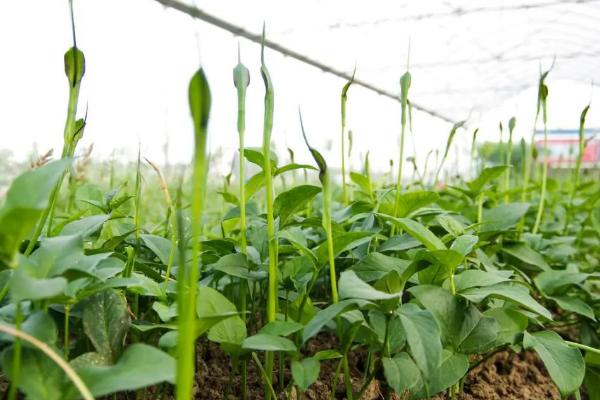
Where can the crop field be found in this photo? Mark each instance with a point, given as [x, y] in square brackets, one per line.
[298, 281]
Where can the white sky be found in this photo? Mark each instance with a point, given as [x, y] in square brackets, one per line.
[140, 58]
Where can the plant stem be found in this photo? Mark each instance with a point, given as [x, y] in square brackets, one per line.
[581, 149]
[199, 99]
[583, 347]
[511, 127]
[265, 376]
[272, 243]
[344, 98]
[329, 233]
[16, 364]
[540, 211]
[66, 332]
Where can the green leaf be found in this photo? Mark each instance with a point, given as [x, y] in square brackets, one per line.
[165, 312]
[159, 246]
[281, 328]
[486, 176]
[305, 372]
[551, 282]
[451, 225]
[400, 372]
[40, 378]
[564, 364]
[41, 326]
[342, 242]
[85, 227]
[452, 368]
[327, 314]
[502, 217]
[255, 156]
[362, 181]
[527, 255]
[106, 322]
[290, 202]
[139, 366]
[592, 383]
[376, 265]
[574, 304]
[477, 278]
[236, 265]
[57, 255]
[419, 232]
[512, 324]
[25, 287]
[399, 243]
[423, 337]
[507, 291]
[25, 200]
[444, 307]
[412, 201]
[464, 244]
[212, 306]
[327, 355]
[291, 167]
[351, 286]
[266, 342]
[479, 333]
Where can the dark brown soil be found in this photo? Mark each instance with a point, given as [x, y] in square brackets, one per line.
[504, 376]
[508, 376]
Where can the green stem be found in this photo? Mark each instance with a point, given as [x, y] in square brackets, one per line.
[508, 162]
[329, 233]
[583, 347]
[16, 364]
[66, 332]
[480, 208]
[265, 376]
[200, 100]
[540, 211]
[272, 243]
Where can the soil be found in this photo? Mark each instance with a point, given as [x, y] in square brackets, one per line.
[504, 376]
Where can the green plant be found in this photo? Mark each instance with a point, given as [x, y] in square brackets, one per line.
[188, 274]
[411, 285]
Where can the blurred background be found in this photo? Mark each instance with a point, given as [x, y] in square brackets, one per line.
[470, 60]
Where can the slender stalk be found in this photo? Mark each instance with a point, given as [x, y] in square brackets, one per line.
[199, 100]
[74, 61]
[343, 104]
[241, 80]
[529, 159]
[326, 221]
[583, 347]
[405, 82]
[170, 221]
[540, 211]
[448, 144]
[474, 150]
[581, 149]
[511, 128]
[266, 377]
[66, 332]
[16, 362]
[266, 148]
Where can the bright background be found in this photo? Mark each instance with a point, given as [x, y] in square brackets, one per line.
[469, 60]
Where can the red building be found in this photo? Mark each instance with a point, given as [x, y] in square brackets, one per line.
[563, 146]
